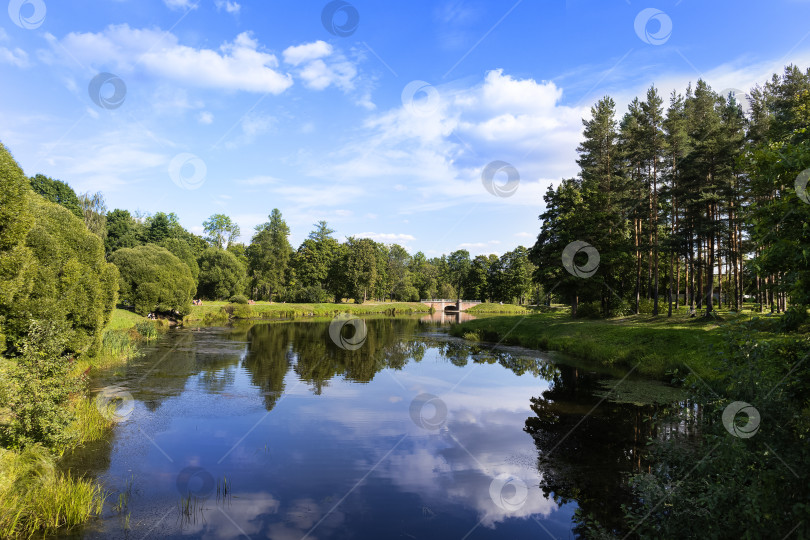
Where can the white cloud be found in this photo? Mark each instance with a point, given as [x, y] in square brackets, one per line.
[181, 4]
[319, 66]
[15, 57]
[238, 65]
[387, 238]
[307, 52]
[440, 154]
[205, 118]
[230, 7]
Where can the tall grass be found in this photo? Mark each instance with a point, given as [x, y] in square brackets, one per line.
[36, 498]
[89, 423]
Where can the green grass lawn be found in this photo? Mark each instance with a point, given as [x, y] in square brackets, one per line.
[654, 345]
[273, 310]
[123, 319]
[488, 307]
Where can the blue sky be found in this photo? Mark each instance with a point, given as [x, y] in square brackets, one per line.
[383, 129]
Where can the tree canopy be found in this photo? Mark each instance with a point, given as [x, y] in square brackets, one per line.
[152, 279]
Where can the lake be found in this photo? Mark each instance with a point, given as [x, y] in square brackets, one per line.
[374, 428]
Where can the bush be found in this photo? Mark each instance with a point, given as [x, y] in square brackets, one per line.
[221, 275]
[620, 308]
[36, 387]
[794, 317]
[238, 311]
[645, 306]
[153, 279]
[589, 310]
[314, 294]
[51, 267]
[239, 299]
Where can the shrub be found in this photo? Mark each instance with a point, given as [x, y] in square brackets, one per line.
[238, 311]
[221, 275]
[645, 306]
[37, 386]
[153, 279]
[794, 317]
[51, 267]
[238, 299]
[589, 310]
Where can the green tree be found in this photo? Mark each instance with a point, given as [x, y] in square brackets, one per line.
[315, 256]
[458, 265]
[152, 279]
[361, 267]
[476, 284]
[122, 231]
[221, 275]
[269, 256]
[57, 192]
[221, 230]
[180, 249]
[94, 210]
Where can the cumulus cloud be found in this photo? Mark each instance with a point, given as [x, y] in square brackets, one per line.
[307, 52]
[240, 64]
[439, 146]
[319, 66]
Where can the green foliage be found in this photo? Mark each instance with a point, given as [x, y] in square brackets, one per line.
[122, 231]
[221, 275]
[52, 267]
[221, 230]
[589, 310]
[238, 299]
[723, 486]
[36, 389]
[238, 311]
[268, 257]
[57, 192]
[36, 498]
[153, 279]
[180, 249]
[94, 212]
[794, 317]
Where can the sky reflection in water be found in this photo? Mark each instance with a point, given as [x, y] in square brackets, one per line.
[318, 442]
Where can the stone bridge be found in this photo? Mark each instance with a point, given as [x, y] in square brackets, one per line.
[451, 305]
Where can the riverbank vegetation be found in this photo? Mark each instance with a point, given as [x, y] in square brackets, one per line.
[218, 311]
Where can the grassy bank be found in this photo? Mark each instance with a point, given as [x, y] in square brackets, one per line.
[655, 344]
[213, 311]
[488, 307]
[35, 496]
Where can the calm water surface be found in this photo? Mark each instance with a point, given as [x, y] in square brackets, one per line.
[412, 435]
